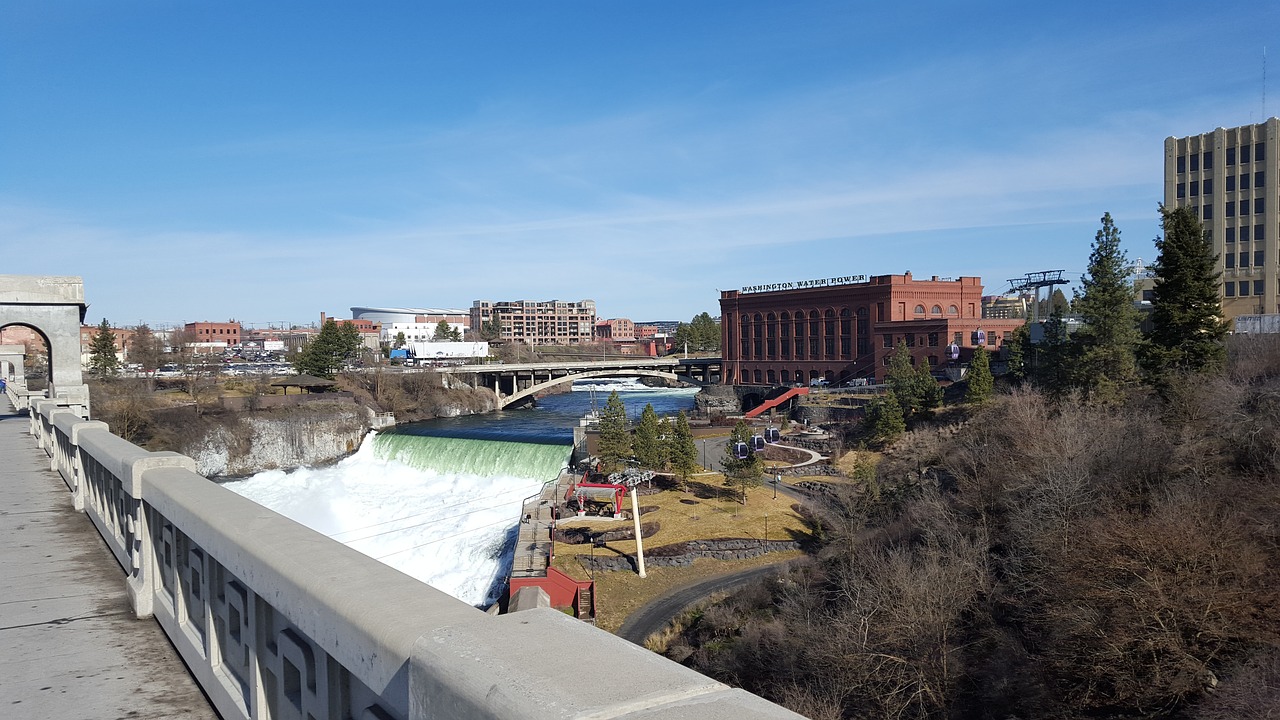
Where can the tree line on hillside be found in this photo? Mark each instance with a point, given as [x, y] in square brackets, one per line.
[1098, 541]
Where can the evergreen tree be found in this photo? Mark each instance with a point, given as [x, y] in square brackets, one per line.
[1187, 328]
[1106, 360]
[883, 422]
[615, 438]
[979, 381]
[443, 332]
[914, 388]
[329, 350]
[745, 472]
[1016, 348]
[400, 340]
[103, 361]
[702, 334]
[683, 452]
[1053, 371]
[648, 441]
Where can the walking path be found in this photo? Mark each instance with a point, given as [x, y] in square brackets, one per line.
[70, 646]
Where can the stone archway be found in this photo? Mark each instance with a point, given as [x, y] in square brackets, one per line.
[12, 359]
[54, 307]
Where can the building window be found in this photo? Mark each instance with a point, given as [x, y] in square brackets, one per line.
[1244, 233]
[933, 339]
[1182, 190]
[1260, 179]
[1244, 208]
[1258, 258]
[757, 377]
[770, 377]
[991, 339]
[1229, 290]
[937, 310]
[911, 339]
[1231, 183]
[1259, 205]
[959, 337]
[919, 309]
[1230, 260]
[1244, 259]
[1259, 152]
[1208, 212]
[1244, 288]
[1231, 234]
[1195, 188]
[1208, 161]
[886, 341]
[1259, 232]
[1244, 181]
[953, 310]
[1231, 156]
[1208, 185]
[1182, 163]
[1231, 208]
[1195, 164]
[1258, 287]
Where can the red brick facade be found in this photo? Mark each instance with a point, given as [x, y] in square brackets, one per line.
[848, 330]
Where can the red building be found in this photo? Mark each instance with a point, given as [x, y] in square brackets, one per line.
[838, 329]
[209, 334]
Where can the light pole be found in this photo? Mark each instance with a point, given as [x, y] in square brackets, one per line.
[766, 528]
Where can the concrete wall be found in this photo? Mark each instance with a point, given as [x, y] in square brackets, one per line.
[276, 620]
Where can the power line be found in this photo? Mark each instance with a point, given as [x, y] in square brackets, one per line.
[436, 540]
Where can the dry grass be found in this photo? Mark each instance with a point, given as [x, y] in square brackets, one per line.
[621, 593]
[708, 510]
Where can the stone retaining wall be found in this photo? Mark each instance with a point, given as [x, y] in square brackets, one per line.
[736, 549]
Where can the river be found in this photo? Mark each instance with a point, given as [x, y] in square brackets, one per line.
[440, 500]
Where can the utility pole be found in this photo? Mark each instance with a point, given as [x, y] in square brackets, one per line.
[635, 515]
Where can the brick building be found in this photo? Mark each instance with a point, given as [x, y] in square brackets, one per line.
[838, 329]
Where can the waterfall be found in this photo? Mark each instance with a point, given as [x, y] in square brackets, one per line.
[480, 458]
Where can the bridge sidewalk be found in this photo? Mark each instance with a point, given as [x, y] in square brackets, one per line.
[70, 646]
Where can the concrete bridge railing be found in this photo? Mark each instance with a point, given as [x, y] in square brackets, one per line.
[278, 621]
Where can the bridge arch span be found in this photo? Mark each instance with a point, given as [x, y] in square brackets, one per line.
[54, 307]
[519, 397]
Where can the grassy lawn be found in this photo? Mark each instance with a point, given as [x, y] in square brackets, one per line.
[707, 510]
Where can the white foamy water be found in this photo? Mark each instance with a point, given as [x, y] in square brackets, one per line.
[451, 530]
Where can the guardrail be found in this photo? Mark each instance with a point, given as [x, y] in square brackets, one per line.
[277, 621]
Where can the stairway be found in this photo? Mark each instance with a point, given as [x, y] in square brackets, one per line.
[775, 402]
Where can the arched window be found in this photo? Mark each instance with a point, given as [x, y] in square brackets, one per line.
[919, 309]
[937, 310]
[758, 377]
[953, 310]
[770, 378]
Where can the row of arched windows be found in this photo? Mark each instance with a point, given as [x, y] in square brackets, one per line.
[936, 311]
[805, 335]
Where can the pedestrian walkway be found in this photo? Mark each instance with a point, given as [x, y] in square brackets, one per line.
[70, 646]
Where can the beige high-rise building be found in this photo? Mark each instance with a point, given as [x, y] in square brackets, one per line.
[551, 322]
[1230, 177]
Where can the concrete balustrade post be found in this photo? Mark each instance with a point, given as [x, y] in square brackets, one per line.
[140, 578]
[71, 426]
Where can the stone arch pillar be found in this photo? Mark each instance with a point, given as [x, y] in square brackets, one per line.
[54, 307]
[12, 359]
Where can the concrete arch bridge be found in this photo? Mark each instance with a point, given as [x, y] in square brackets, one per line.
[516, 384]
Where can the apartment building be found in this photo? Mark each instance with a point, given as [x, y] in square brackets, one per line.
[551, 322]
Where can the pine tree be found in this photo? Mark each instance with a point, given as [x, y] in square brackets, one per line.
[883, 422]
[1053, 372]
[329, 350]
[979, 379]
[615, 438]
[1106, 364]
[1016, 348]
[103, 361]
[684, 453]
[443, 332]
[745, 472]
[914, 387]
[648, 442]
[1187, 328]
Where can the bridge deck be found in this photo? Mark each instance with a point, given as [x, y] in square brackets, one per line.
[69, 644]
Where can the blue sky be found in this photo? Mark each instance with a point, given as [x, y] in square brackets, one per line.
[270, 161]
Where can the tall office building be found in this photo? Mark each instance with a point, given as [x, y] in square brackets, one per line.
[1229, 176]
[551, 322]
